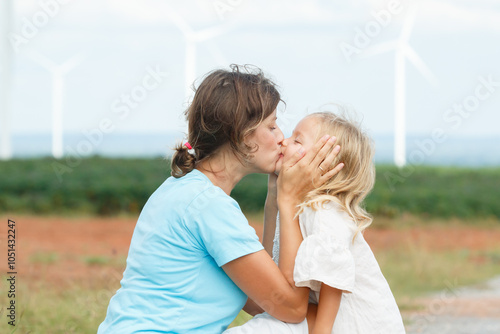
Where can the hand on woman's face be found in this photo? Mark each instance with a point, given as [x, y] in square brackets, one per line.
[304, 136]
[268, 138]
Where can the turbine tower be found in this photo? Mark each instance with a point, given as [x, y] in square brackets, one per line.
[58, 71]
[403, 51]
[6, 14]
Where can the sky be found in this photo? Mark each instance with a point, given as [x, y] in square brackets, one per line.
[129, 61]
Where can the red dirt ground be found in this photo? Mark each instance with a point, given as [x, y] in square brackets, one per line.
[74, 242]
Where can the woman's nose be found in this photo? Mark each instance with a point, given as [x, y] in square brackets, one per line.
[280, 137]
[284, 142]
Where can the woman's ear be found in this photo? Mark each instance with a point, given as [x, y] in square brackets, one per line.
[248, 144]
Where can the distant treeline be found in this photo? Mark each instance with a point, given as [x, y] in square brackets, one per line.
[104, 186]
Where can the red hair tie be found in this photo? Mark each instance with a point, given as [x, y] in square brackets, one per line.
[188, 146]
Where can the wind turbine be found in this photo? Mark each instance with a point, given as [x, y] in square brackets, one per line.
[403, 51]
[6, 14]
[192, 38]
[58, 71]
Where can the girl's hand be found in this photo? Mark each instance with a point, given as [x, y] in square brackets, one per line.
[303, 173]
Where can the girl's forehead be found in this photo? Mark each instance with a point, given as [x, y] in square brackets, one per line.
[307, 126]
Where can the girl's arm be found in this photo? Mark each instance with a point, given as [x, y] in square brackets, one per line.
[270, 213]
[312, 310]
[290, 196]
[328, 307]
[256, 274]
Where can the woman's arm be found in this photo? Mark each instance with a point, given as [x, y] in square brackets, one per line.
[328, 307]
[270, 213]
[289, 245]
[260, 279]
[252, 308]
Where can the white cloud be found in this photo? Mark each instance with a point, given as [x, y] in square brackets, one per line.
[445, 15]
[453, 17]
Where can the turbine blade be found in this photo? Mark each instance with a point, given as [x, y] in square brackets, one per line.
[178, 20]
[379, 48]
[43, 60]
[415, 59]
[409, 21]
[71, 63]
[210, 33]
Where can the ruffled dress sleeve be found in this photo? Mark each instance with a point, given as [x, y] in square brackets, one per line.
[324, 255]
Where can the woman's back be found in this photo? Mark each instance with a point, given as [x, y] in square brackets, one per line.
[187, 230]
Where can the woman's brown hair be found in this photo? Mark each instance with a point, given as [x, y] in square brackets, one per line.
[227, 106]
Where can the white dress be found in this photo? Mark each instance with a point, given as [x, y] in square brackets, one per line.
[328, 255]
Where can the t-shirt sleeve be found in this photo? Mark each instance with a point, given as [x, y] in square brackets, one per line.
[223, 231]
[324, 255]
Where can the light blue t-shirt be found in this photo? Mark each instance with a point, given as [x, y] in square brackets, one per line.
[174, 282]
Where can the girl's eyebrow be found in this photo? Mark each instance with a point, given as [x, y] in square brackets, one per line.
[298, 133]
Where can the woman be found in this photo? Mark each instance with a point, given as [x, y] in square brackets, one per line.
[193, 258]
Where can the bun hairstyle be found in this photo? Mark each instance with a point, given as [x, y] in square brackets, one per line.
[227, 106]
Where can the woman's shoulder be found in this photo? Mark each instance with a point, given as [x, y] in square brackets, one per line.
[200, 189]
[194, 197]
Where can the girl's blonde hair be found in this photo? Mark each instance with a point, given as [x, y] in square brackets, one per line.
[352, 184]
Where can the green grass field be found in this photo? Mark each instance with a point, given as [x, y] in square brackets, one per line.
[101, 186]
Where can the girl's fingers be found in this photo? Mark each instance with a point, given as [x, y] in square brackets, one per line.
[323, 153]
[327, 163]
[331, 173]
[314, 151]
[295, 158]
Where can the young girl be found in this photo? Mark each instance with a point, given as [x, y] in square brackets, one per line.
[334, 260]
